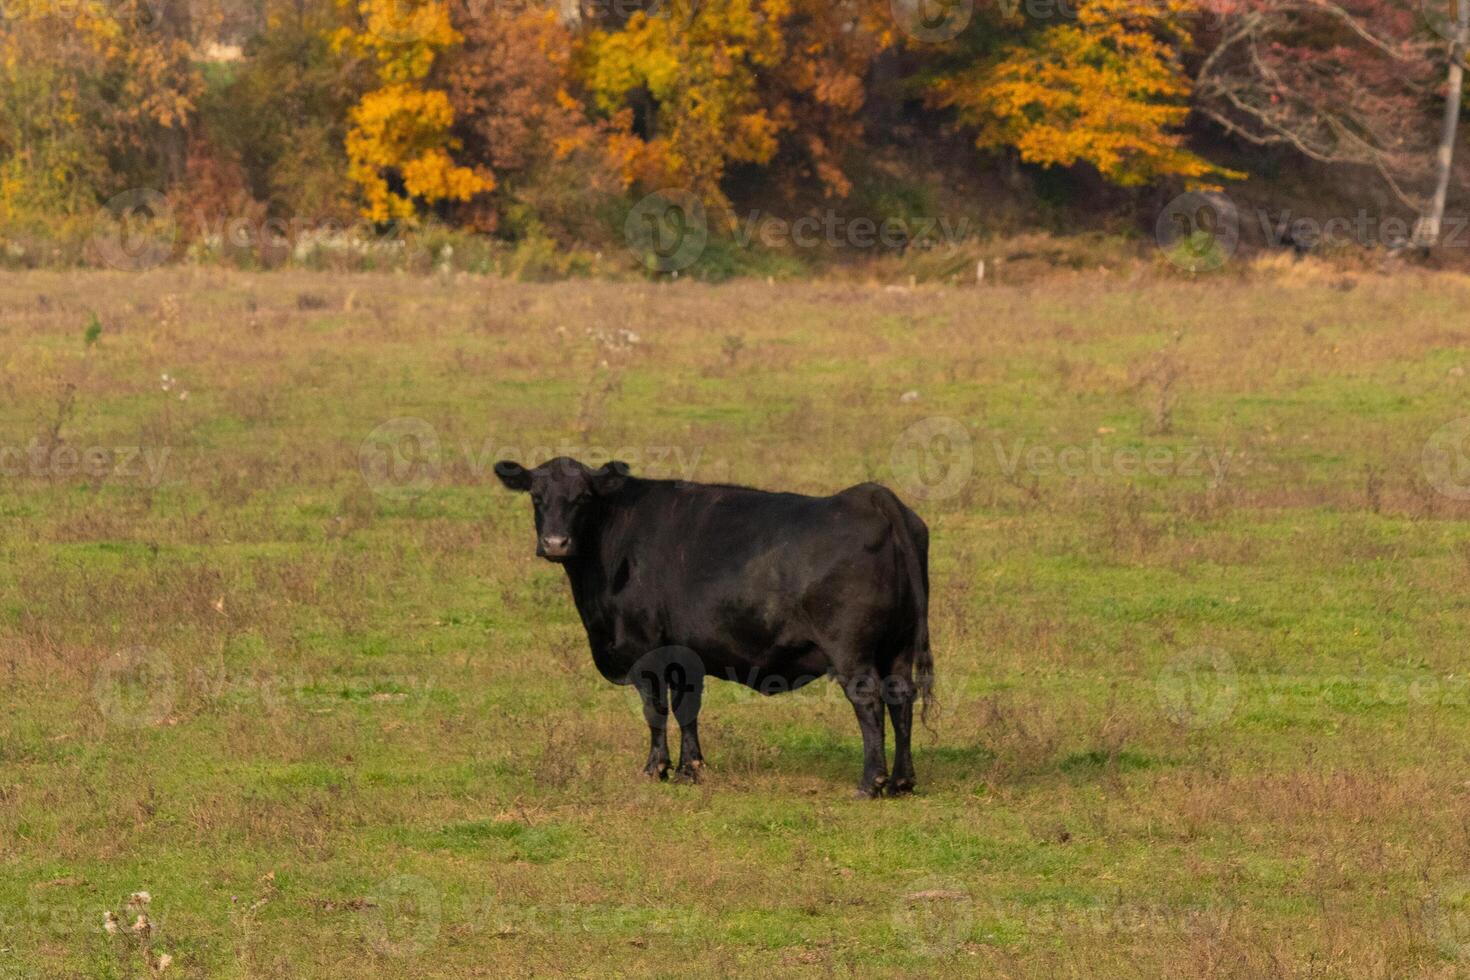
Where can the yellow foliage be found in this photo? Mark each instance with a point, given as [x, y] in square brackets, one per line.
[1108, 90]
[401, 128]
[85, 88]
[704, 77]
[401, 35]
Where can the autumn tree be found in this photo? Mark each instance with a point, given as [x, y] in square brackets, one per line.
[94, 100]
[281, 116]
[399, 142]
[519, 112]
[819, 88]
[1107, 88]
[690, 92]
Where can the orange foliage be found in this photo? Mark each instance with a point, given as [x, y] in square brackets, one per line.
[510, 84]
[734, 81]
[1107, 90]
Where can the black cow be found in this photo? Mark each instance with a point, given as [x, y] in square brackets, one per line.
[676, 581]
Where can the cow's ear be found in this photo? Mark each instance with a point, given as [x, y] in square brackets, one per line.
[610, 478]
[513, 475]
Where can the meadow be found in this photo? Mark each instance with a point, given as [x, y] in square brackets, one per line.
[275, 648]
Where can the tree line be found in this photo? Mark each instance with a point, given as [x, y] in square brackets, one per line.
[517, 117]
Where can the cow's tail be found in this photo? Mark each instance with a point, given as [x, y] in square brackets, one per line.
[912, 537]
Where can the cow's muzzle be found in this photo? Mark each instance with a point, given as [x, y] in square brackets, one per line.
[557, 547]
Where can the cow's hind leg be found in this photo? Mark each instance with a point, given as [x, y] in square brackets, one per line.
[899, 694]
[686, 694]
[865, 694]
[654, 692]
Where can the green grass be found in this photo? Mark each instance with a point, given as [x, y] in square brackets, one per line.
[1190, 725]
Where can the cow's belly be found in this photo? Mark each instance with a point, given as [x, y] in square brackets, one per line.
[766, 650]
[768, 646]
[775, 672]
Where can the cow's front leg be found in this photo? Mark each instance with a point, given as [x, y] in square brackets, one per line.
[867, 701]
[654, 692]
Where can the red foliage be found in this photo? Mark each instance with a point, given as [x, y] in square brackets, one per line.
[511, 86]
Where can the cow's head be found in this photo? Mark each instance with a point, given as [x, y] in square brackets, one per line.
[566, 495]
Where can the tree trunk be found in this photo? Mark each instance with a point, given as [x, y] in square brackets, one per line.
[1426, 233]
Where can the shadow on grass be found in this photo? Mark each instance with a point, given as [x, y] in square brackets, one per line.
[941, 766]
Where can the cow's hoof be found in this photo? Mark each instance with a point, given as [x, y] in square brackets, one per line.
[872, 792]
[900, 787]
[690, 772]
[657, 770]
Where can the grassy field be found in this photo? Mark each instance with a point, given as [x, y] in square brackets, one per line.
[275, 648]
